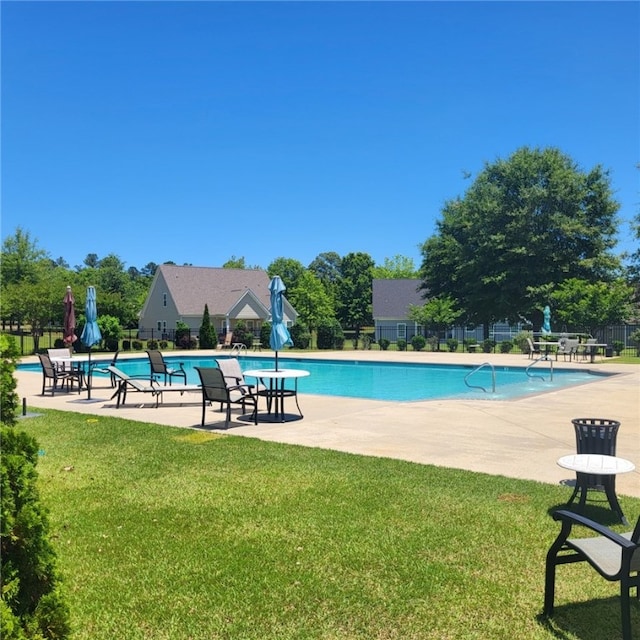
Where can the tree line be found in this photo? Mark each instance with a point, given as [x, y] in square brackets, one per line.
[532, 230]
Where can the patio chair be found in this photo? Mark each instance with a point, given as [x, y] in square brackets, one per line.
[160, 367]
[226, 343]
[56, 377]
[566, 347]
[63, 353]
[216, 389]
[534, 349]
[615, 557]
[585, 348]
[233, 375]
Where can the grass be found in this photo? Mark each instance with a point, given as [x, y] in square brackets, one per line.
[167, 533]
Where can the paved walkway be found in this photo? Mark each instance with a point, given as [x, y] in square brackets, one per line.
[515, 438]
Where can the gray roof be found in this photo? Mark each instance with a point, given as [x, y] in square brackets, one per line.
[391, 298]
[193, 287]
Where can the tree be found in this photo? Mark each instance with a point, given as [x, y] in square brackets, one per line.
[208, 337]
[235, 263]
[526, 225]
[591, 306]
[396, 268]
[311, 301]
[354, 291]
[290, 271]
[20, 258]
[436, 314]
[326, 267]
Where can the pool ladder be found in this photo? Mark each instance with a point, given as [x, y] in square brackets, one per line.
[537, 375]
[477, 386]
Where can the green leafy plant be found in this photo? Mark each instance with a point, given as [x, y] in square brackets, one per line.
[384, 343]
[300, 335]
[506, 346]
[208, 337]
[618, 346]
[452, 345]
[401, 344]
[9, 399]
[418, 342]
[32, 603]
[488, 345]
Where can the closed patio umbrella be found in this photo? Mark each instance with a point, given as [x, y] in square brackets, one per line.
[91, 333]
[69, 329]
[279, 336]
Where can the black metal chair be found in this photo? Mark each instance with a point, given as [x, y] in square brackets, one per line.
[216, 389]
[160, 367]
[97, 367]
[56, 377]
[614, 556]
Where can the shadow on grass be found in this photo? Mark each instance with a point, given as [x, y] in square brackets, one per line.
[600, 514]
[593, 620]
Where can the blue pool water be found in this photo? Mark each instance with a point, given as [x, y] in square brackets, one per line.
[387, 380]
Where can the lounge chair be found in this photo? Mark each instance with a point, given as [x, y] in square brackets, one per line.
[97, 367]
[143, 385]
[226, 343]
[160, 367]
[614, 556]
[216, 389]
[57, 377]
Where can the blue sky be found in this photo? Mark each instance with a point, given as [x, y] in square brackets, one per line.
[198, 131]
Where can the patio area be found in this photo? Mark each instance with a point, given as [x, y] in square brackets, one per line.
[514, 438]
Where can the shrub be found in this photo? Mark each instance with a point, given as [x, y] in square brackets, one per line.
[618, 346]
[635, 339]
[137, 345]
[163, 344]
[434, 343]
[452, 345]
[418, 342]
[265, 334]
[58, 343]
[111, 331]
[384, 343]
[330, 335]
[522, 341]
[9, 400]
[152, 344]
[488, 345]
[300, 336]
[182, 339]
[32, 604]
[401, 344]
[506, 346]
[126, 345]
[242, 335]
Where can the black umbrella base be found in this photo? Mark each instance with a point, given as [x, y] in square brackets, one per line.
[272, 418]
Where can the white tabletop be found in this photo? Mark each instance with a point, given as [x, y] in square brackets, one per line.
[280, 374]
[71, 359]
[596, 464]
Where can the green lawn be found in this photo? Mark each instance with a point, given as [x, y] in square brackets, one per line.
[165, 533]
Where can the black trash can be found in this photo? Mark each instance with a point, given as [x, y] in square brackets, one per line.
[608, 352]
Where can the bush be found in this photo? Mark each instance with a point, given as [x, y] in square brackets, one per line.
[126, 345]
[32, 605]
[265, 334]
[330, 335]
[488, 345]
[452, 345]
[635, 339]
[401, 344]
[506, 346]
[9, 400]
[163, 344]
[242, 335]
[182, 338]
[111, 331]
[522, 341]
[618, 346]
[137, 345]
[152, 344]
[300, 336]
[58, 343]
[418, 342]
[434, 343]
[208, 337]
[384, 343]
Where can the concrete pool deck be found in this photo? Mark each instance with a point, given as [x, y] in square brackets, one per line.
[515, 438]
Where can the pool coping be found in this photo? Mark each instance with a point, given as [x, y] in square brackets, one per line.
[519, 438]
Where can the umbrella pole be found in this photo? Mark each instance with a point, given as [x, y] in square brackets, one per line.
[276, 360]
[89, 377]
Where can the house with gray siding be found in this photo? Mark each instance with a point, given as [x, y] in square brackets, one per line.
[391, 300]
[179, 293]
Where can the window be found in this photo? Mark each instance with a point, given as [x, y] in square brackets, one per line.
[402, 331]
[164, 301]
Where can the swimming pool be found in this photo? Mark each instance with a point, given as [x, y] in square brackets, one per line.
[388, 380]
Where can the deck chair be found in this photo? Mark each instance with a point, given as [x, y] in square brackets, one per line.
[615, 557]
[59, 353]
[226, 343]
[533, 348]
[233, 375]
[58, 378]
[142, 384]
[216, 389]
[160, 368]
[566, 348]
[97, 367]
[585, 349]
